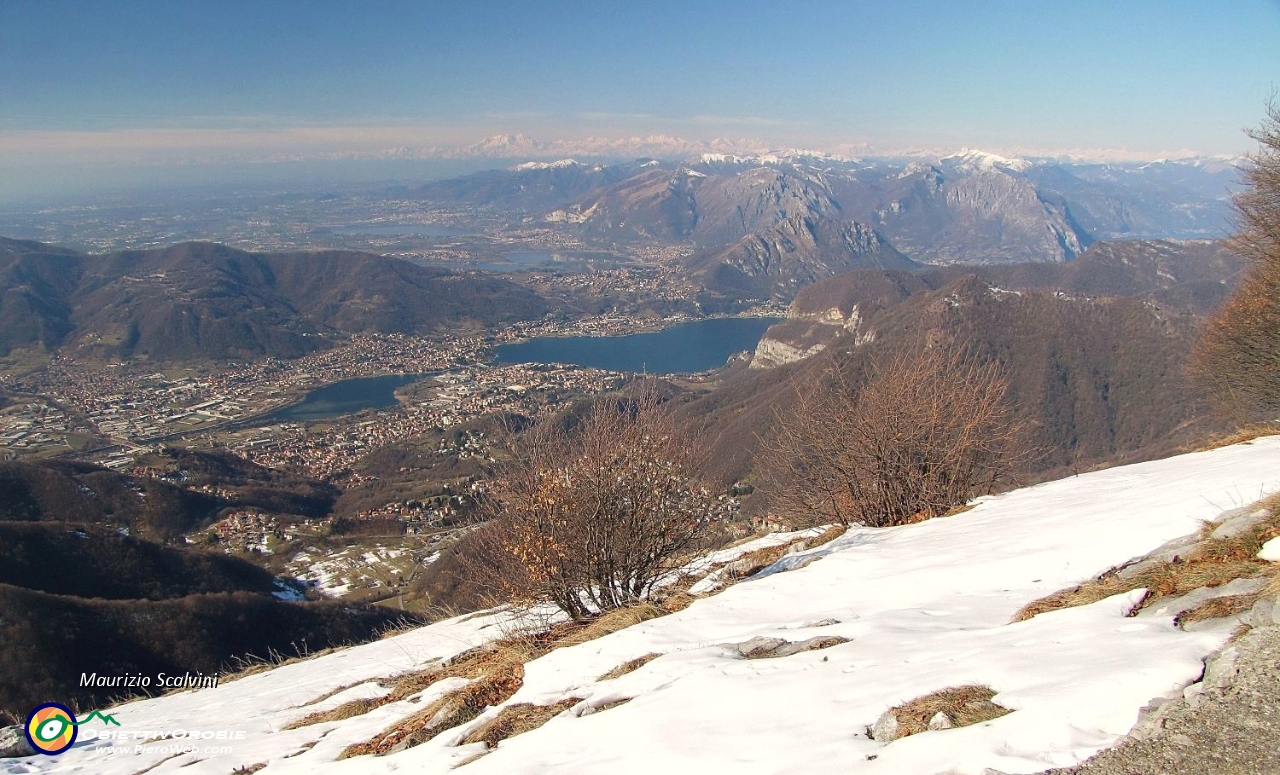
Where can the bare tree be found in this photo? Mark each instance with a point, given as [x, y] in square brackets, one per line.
[922, 433]
[592, 519]
[1238, 356]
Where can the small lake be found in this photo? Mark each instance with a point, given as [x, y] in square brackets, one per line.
[346, 397]
[681, 349]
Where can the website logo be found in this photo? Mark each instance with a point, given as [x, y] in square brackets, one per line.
[52, 728]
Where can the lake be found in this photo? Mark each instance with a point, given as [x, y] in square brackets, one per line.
[346, 397]
[681, 349]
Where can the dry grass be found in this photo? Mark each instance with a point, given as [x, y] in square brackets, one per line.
[610, 622]
[1241, 435]
[613, 704]
[251, 664]
[1211, 563]
[335, 690]
[674, 600]
[344, 711]
[474, 664]
[496, 670]
[491, 668]
[453, 709]
[828, 535]
[630, 666]
[1217, 608]
[963, 705]
[758, 560]
[516, 720]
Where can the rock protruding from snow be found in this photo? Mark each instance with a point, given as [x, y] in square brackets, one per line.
[886, 729]
[762, 647]
[939, 721]
[1237, 521]
[13, 743]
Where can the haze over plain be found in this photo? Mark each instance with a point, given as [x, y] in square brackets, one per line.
[95, 95]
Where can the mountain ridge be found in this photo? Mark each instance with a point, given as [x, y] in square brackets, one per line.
[209, 301]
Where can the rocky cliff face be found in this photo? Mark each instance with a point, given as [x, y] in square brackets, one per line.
[959, 214]
[804, 334]
[776, 262]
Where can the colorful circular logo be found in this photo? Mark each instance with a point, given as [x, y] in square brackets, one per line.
[51, 728]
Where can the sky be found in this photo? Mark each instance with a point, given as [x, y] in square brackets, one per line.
[198, 83]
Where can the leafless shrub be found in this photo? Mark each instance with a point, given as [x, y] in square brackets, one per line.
[1238, 356]
[591, 519]
[922, 433]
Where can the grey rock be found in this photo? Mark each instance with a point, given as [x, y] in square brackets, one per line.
[760, 647]
[13, 743]
[1221, 670]
[1227, 725]
[940, 721]
[886, 728]
[1166, 552]
[1237, 521]
[1177, 605]
[1262, 614]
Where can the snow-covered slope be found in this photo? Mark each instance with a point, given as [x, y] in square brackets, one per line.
[924, 607]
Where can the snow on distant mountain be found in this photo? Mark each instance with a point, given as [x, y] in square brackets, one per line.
[904, 612]
[972, 160]
[970, 207]
[542, 165]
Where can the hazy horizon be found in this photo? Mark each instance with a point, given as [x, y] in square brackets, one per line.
[100, 95]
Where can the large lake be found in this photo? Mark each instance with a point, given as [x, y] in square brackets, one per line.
[681, 349]
[346, 397]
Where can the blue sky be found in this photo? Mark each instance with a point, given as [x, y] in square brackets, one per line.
[207, 81]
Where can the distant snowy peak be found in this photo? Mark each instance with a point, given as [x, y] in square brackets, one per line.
[1211, 163]
[774, 158]
[729, 158]
[546, 165]
[501, 145]
[973, 160]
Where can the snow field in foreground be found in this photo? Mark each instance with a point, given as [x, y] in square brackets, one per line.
[925, 607]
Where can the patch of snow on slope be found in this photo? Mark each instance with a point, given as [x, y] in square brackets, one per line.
[925, 606]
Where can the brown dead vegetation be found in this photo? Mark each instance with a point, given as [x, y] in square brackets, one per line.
[1211, 563]
[516, 720]
[630, 666]
[453, 709]
[1217, 608]
[922, 431]
[751, 563]
[496, 672]
[962, 705]
[1241, 435]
